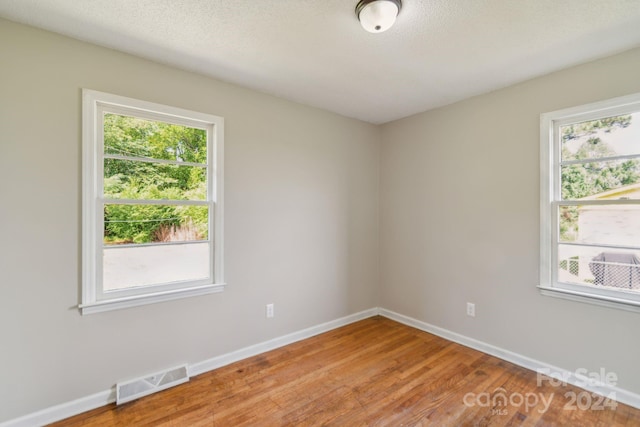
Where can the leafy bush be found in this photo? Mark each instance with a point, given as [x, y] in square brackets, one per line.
[136, 179]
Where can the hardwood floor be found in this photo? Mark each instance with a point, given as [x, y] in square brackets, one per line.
[375, 372]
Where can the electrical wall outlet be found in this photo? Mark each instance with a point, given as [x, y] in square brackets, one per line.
[270, 312]
[471, 309]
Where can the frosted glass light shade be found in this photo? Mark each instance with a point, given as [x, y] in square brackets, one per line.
[378, 15]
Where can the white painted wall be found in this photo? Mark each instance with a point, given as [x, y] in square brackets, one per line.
[460, 219]
[301, 215]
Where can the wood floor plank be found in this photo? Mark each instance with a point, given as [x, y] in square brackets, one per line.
[375, 372]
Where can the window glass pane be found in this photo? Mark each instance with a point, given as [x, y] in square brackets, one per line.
[140, 224]
[132, 136]
[129, 179]
[602, 224]
[611, 136]
[134, 266]
[612, 180]
[603, 267]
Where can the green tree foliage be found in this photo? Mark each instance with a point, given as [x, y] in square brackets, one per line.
[136, 179]
[593, 177]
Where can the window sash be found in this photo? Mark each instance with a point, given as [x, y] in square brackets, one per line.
[599, 245]
[152, 160]
[172, 202]
[551, 200]
[95, 106]
[599, 159]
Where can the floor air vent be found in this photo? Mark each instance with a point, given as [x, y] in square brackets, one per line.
[134, 389]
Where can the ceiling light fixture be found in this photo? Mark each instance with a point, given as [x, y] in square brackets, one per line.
[377, 16]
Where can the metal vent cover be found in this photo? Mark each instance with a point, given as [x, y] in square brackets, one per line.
[143, 386]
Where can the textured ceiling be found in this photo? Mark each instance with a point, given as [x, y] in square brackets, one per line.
[315, 52]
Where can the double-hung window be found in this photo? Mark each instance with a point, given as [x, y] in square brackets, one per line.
[152, 202]
[590, 203]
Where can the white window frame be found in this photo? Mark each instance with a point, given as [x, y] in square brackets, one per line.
[95, 104]
[550, 195]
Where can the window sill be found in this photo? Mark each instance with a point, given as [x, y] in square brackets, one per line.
[152, 298]
[589, 298]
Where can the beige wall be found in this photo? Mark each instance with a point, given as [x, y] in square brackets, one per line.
[301, 223]
[458, 222]
[460, 219]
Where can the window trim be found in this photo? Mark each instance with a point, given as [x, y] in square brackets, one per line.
[550, 195]
[93, 104]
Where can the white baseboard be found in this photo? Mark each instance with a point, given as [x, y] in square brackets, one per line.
[243, 353]
[69, 409]
[621, 395]
[64, 410]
